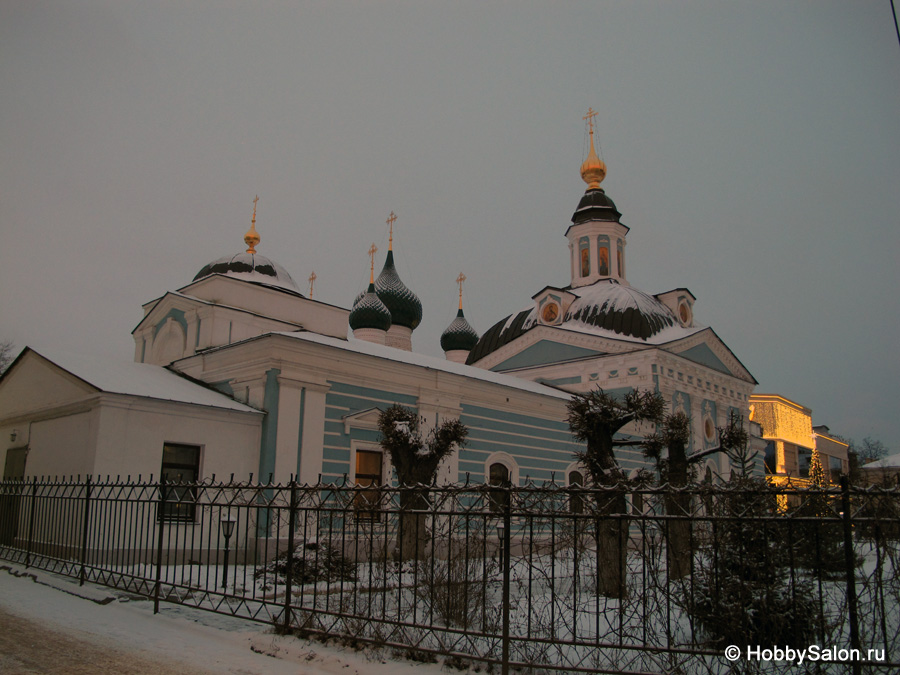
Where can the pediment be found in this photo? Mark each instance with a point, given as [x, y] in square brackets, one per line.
[34, 383]
[545, 352]
[364, 419]
[171, 305]
[708, 349]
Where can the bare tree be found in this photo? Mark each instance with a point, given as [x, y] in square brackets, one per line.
[677, 469]
[596, 418]
[415, 459]
[870, 450]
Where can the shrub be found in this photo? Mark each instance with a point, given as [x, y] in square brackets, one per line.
[309, 566]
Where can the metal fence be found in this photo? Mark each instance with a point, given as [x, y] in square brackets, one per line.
[627, 579]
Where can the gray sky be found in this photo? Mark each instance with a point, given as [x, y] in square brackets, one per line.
[753, 149]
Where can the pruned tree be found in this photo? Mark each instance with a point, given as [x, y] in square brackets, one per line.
[595, 418]
[676, 468]
[416, 458]
[7, 350]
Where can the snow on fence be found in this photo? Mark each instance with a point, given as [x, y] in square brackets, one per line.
[625, 579]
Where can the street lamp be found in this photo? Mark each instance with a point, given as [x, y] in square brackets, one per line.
[501, 535]
[227, 522]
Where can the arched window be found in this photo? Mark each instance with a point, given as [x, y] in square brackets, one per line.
[498, 477]
[584, 253]
[603, 255]
[576, 499]
[620, 258]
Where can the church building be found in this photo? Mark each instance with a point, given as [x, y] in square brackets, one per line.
[238, 372]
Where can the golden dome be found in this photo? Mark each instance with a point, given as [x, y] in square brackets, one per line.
[593, 170]
[252, 236]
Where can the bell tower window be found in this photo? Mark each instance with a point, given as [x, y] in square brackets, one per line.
[603, 255]
[584, 251]
[620, 258]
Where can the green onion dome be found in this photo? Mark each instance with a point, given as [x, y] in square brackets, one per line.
[370, 312]
[404, 305]
[459, 335]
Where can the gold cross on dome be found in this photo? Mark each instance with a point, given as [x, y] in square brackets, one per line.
[591, 114]
[460, 279]
[255, 199]
[312, 280]
[390, 221]
[373, 249]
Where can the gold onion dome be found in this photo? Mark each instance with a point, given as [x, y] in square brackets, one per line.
[593, 169]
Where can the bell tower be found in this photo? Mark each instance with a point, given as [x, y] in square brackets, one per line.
[596, 237]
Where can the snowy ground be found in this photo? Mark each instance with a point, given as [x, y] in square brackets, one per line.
[48, 624]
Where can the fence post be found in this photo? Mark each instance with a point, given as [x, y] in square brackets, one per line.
[84, 528]
[288, 577]
[31, 522]
[850, 564]
[160, 519]
[507, 522]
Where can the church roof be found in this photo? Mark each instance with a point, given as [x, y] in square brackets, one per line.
[135, 379]
[369, 312]
[250, 267]
[404, 305]
[459, 335]
[606, 308]
[595, 205]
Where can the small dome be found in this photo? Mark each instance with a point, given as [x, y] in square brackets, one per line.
[595, 205]
[404, 305]
[459, 335]
[250, 267]
[369, 312]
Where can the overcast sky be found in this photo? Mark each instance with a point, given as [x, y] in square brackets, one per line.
[752, 147]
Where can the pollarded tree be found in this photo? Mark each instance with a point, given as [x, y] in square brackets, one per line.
[676, 469]
[415, 459]
[595, 418]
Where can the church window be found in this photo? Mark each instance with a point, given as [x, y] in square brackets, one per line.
[180, 473]
[368, 476]
[585, 254]
[498, 477]
[620, 258]
[603, 255]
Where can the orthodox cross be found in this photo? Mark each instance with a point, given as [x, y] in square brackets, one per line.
[591, 114]
[460, 279]
[255, 199]
[312, 280]
[372, 251]
[390, 221]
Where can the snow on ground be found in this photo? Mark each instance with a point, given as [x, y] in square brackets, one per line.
[178, 639]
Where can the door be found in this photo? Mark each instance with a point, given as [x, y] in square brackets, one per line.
[10, 494]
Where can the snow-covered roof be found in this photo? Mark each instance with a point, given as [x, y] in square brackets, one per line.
[889, 462]
[431, 362]
[141, 379]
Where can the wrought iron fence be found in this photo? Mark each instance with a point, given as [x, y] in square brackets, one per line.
[626, 579]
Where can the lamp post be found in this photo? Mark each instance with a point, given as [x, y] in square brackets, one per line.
[227, 523]
[501, 536]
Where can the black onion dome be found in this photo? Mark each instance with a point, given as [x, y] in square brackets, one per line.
[369, 312]
[621, 309]
[250, 267]
[459, 335]
[404, 305]
[595, 205]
